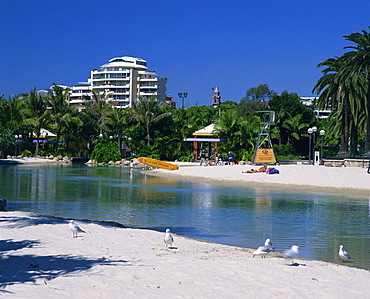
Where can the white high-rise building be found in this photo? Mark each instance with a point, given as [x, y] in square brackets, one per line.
[122, 81]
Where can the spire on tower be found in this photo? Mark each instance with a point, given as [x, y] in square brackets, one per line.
[216, 98]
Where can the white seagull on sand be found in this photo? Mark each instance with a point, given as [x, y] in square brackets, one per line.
[344, 255]
[291, 253]
[168, 239]
[268, 243]
[262, 250]
[74, 228]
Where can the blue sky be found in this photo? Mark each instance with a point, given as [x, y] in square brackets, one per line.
[195, 44]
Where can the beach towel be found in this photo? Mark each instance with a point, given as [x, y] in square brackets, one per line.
[273, 171]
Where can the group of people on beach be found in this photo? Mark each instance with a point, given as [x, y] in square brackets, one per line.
[218, 160]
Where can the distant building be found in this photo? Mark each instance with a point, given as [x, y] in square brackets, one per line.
[216, 98]
[170, 102]
[310, 101]
[121, 80]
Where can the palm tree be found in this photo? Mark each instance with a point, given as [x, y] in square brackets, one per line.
[147, 112]
[96, 106]
[295, 127]
[62, 113]
[334, 95]
[356, 72]
[13, 113]
[116, 119]
[38, 112]
[228, 125]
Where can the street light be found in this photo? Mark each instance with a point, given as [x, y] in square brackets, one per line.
[322, 133]
[15, 146]
[20, 143]
[101, 137]
[310, 131]
[183, 95]
[314, 130]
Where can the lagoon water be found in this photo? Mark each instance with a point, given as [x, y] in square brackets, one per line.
[315, 221]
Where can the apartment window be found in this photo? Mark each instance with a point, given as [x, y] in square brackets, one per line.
[121, 90]
[99, 76]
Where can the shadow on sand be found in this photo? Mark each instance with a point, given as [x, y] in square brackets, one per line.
[16, 268]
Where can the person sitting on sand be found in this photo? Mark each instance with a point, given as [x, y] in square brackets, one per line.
[261, 169]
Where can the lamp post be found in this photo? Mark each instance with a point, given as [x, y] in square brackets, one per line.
[314, 130]
[322, 133]
[182, 96]
[101, 137]
[15, 146]
[310, 131]
[20, 143]
[46, 141]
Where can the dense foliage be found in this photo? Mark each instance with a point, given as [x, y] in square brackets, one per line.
[148, 129]
[151, 129]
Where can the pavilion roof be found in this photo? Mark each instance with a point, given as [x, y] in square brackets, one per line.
[206, 131]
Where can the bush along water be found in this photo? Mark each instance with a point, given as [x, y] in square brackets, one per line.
[105, 152]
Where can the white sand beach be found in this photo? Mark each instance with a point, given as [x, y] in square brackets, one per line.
[307, 176]
[41, 259]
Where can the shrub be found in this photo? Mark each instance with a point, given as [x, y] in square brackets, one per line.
[105, 152]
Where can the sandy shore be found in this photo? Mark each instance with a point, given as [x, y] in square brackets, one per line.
[306, 176]
[40, 259]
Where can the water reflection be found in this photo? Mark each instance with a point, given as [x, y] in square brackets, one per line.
[317, 222]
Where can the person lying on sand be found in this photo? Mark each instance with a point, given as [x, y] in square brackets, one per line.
[209, 163]
[261, 169]
[334, 164]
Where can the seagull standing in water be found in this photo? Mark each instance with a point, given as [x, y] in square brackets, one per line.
[268, 243]
[262, 250]
[291, 253]
[168, 239]
[74, 228]
[344, 255]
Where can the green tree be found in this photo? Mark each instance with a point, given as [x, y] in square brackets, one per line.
[261, 93]
[13, 113]
[62, 113]
[357, 66]
[333, 96]
[240, 133]
[287, 106]
[6, 140]
[248, 107]
[96, 106]
[39, 115]
[116, 120]
[147, 112]
[295, 127]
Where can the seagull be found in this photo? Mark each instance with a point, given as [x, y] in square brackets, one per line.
[291, 253]
[262, 250]
[168, 239]
[74, 228]
[268, 243]
[344, 255]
